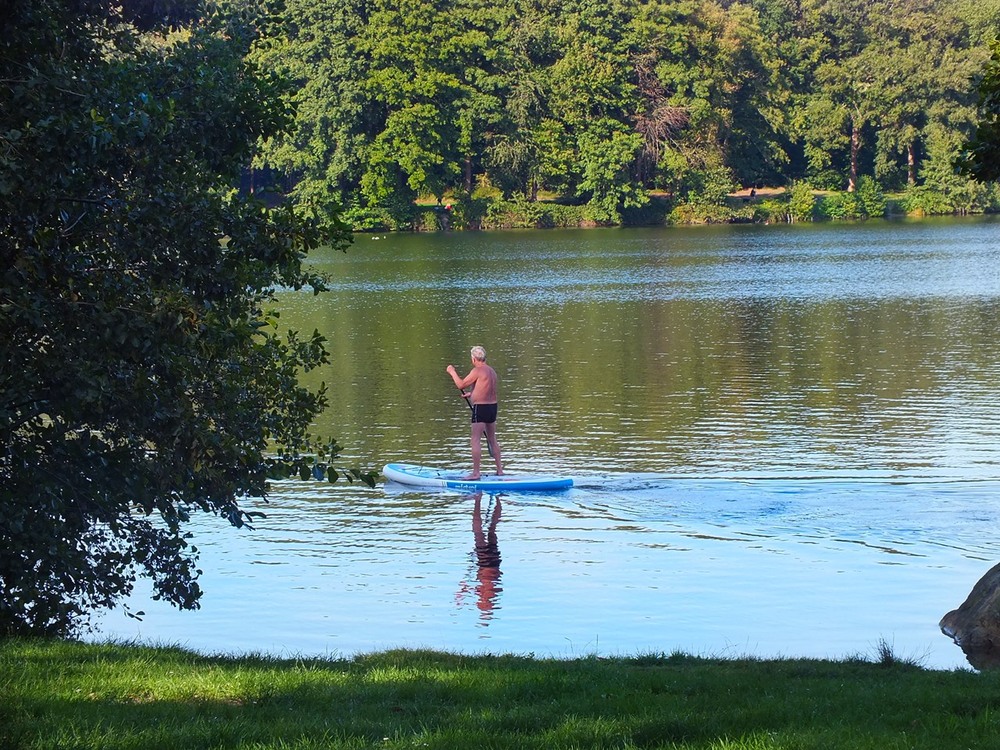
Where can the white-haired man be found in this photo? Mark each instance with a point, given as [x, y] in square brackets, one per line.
[483, 399]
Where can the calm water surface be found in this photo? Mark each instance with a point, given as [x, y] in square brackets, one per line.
[786, 442]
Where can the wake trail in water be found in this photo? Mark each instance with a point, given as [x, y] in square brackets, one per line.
[632, 482]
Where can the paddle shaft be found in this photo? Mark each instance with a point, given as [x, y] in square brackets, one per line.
[469, 402]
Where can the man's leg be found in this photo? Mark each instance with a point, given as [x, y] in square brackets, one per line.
[491, 439]
[477, 448]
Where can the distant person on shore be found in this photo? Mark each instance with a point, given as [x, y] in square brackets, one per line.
[483, 400]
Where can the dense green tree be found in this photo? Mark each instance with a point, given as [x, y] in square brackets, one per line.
[927, 102]
[600, 102]
[431, 76]
[853, 92]
[752, 99]
[879, 91]
[981, 157]
[334, 122]
[675, 116]
[141, 380]
[982, 18]
[524, 138]
[150, 14]
[845, 89]
[593, 95]
[608, 151]
[718, 87]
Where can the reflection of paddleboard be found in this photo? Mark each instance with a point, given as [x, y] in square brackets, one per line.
[425, 476]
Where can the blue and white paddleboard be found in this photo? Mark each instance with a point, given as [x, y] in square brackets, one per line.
[426, 476]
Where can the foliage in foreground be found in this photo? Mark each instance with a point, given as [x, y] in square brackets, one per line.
[56, 695]
[141, 379]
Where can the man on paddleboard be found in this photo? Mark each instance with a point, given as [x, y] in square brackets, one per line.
[483, 399]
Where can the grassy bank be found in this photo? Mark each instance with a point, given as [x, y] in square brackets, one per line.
[66, 695]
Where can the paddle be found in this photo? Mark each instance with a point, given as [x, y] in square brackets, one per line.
[466, 397]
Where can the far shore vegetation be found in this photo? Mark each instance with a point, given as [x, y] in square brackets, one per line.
[63, 694]
[633, 113]
[486, 209]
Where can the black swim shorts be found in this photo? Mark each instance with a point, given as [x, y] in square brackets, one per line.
[486, 413]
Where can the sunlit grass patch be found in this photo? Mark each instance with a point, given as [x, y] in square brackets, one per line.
[118, 697]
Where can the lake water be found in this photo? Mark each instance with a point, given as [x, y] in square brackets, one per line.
[786, 442]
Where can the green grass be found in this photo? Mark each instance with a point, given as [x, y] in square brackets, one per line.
[117, 697]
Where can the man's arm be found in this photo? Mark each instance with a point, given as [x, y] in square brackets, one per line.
[462, 383]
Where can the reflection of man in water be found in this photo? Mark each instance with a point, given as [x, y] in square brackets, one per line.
[487, 557]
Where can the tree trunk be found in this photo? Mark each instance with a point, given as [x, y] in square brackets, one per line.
[468, 175]
[852, 180]
[911, 164]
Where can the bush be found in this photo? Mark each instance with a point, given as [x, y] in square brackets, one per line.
[561, 216]
[520, 213]
[920, 200]
[989, 199]
[773, 211]
[654, 213]
[429, 220]
[468, 212]
[840, 206]
[872, 199]
[517, 213]
[801, 202]
[711, 187]
[364, 219]
[700, 213]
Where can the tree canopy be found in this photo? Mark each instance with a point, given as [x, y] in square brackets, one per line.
[603, 102]
[142, 377]
[982, 154]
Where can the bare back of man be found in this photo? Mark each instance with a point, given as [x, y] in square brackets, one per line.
[484, 384]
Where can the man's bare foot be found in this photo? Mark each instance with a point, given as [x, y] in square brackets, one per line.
[471, 478]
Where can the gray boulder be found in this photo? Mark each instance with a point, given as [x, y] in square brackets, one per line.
[975, 626]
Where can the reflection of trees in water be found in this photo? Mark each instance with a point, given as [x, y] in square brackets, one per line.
[484, 582]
